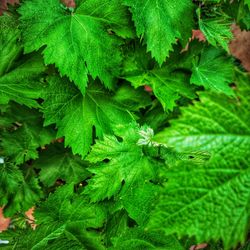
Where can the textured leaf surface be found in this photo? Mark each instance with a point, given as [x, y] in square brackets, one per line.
[214, 71]
[137, 238]
[19, 81]
[21, 143]
[167, 85]
[159, 22]
[22, 83]
[217, 30]
[126, 164]
[75, 115]
[26, 194]
[77, 42]
[58, 163]
[10, 47]
[10, 178]
[64, 213]
[210, 200]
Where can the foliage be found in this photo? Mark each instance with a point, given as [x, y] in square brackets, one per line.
[122, 131]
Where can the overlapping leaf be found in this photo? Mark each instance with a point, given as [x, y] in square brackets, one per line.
[65, 215]
[217, 30]
[58, 163]
[159, 22]
[214, 71]
[75, 115]
[167, 84]
[127, 165]
[19, 80]
[77, 41]
[20, 142]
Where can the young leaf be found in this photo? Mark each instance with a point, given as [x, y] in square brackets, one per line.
[58, 163]
[77, 41]
[160, 23]
[75, 115]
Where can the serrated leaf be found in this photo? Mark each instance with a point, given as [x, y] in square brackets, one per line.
[144, 195]
[19, 80]
[21, 143]
[75, 115]
[214, 71]
[24, 197]
[167, 84]
[77, 41]
[126, 164]
[159, 22]
[9, 42]
[10, 179]
[210, 201]
[217, 30]
[58, 163]
[64, 214]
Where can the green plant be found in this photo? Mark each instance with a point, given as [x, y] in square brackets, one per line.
[105, 163]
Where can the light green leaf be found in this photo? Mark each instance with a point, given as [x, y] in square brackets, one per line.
[159, 22]
[214, 71]
[75, 115]
[58, 163]
[77, 41]
[127, 165]
[209, 201]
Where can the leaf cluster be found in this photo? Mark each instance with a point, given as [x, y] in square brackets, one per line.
[121, 130]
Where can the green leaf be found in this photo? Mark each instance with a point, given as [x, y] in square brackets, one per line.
[9, 46]
[64, 214]
[25, 196]
[10, 179]
[75, 115]
[127, 165]
[214, 71]
[131, 98]
[167, 84]
[19, 80]
[217, 30]
[209, 201]
[77, 41]
[159, 22]
[137, 238]
[58, 163]
[144, 195]
[21, 143]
